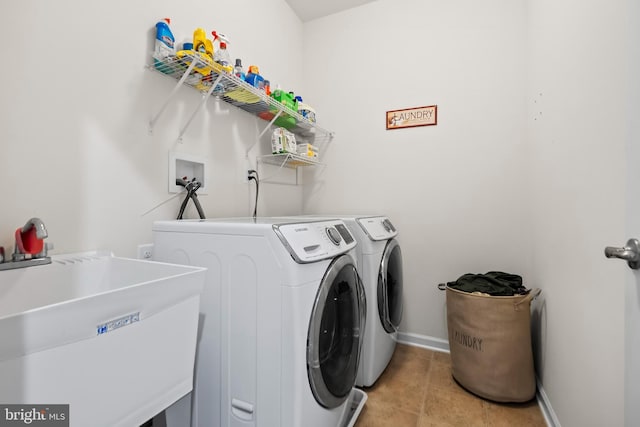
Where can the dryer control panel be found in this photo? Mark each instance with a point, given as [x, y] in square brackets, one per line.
[315, 241]
[378, 227]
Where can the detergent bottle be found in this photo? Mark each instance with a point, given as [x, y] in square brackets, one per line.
[203, 49]
[201, 43]
[164, 46]
[285, 98]
[254, 78]
[221, 55]
[293, 101]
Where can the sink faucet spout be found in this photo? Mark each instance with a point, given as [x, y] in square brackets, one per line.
[41, 230]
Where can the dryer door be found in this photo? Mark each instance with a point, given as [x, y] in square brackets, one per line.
[335, 333]
[390, 287]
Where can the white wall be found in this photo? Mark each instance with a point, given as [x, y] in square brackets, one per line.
[75, 146]
[455, 190]
[523, 173]
[577, 124]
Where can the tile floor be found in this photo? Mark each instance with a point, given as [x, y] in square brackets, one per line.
[417, 390]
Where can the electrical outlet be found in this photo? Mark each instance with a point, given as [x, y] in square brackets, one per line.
[145, 251]
[244, 171]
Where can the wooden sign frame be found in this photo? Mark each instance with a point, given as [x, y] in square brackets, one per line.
[412, 117]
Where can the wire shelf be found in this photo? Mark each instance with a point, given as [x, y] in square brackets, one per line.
[289, 160]
[201, 73]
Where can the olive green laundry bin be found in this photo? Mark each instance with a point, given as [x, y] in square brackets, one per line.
[490, 344]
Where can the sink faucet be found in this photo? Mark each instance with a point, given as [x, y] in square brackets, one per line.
[41, 230]
[30, 248]
[30, 240]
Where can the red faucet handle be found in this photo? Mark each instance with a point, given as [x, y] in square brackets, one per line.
[27, 242]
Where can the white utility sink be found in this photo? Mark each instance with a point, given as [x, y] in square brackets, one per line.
[112, 337]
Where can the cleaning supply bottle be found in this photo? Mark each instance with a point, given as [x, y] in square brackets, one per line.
[201, 43]
[238, 70]
[267, 88]
[294, 101]
[221, 55]
[277, 93]
[285, 98]
[165, 41]
[254, 78]
[305, 110]
[203, 49]
[164, 46]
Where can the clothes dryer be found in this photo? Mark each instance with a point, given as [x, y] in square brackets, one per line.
[281, 322]
[379, 262]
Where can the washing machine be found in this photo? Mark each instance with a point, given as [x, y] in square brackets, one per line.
[281, 319]
[379, 262]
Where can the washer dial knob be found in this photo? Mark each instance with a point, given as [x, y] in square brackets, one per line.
[388, 226]
[334, 235]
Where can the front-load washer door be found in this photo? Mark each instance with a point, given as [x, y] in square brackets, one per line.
[335, 333]
[390, 287]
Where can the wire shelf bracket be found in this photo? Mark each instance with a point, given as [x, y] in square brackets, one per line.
[155, 118]
[205, 97]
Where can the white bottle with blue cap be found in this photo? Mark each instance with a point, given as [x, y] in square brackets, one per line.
[164, 45]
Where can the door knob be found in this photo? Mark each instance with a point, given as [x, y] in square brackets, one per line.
[629, 253]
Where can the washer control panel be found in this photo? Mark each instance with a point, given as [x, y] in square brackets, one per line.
[378, 227]
[315, 241]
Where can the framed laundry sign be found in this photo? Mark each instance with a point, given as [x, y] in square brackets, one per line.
[412, 117]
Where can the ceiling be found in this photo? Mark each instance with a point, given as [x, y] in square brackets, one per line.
[309, 10]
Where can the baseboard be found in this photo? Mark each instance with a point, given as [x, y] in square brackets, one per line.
[545, 406]
[438, 344]
[430, 343]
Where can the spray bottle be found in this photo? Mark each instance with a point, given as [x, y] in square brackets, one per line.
[221, 55]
